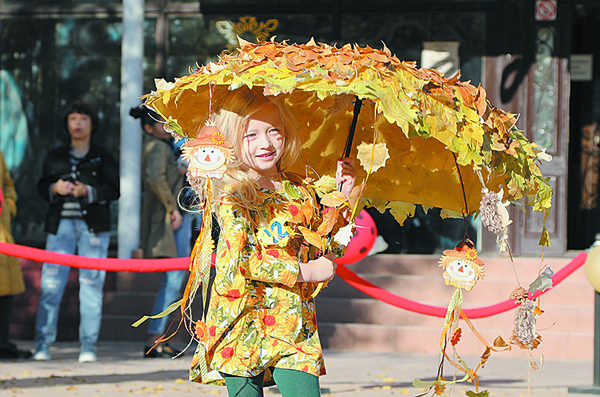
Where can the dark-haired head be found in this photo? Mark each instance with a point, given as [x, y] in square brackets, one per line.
[146, 115]
[81, 107]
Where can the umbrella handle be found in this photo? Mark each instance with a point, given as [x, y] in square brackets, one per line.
[350, 138]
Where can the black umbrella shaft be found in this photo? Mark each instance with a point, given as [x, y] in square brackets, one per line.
[350, 138]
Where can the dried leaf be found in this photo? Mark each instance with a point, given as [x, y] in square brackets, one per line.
[483, 393]
[329, 219]
[456, 336]
[307, 210]
[485, 356]
[499, 342]
[542, 282]
[334, 199]
[439, 389]
[372, 157]
[313, 238]
[291, 190]
[344, 235]
[356, 193]
[325, 184]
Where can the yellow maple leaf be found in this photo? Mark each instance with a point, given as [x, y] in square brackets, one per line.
[401, 211]
[372, 157]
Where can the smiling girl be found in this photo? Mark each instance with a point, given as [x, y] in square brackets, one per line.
[261, 324]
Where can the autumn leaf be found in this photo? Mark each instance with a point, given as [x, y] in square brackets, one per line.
[162, 84]
[542, 282]
[334, 199]
[499, 342]
[325, 184]
[344, 235]
[307, 210]
[456, 336]
[485, 356]
[372, 157]
[545, 238]
[401, 211]
[291, 190]
[439, 389]
[356, 193]
[313, 238]
[329, 220]
[483, 393]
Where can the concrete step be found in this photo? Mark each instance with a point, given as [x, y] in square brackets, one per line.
[420, 339]
[350, 319]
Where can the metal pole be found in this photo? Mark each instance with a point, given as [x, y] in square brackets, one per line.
[597, 341]
[595, 389]
[132, 57]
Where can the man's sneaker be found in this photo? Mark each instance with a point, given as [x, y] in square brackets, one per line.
[87, 357]
[41, 354]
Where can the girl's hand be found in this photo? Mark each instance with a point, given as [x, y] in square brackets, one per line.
[321, 269]
[346, 174]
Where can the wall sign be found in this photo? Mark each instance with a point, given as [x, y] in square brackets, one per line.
[581, 67]
[545, 10]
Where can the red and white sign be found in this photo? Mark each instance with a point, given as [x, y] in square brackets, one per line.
[545, 10]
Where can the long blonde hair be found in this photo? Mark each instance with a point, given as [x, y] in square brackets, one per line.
[232, 115]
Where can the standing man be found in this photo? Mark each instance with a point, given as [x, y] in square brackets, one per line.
[79, 180]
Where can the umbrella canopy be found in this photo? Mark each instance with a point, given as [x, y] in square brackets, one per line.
[429, 123]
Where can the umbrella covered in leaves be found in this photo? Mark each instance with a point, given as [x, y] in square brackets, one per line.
[421, 137]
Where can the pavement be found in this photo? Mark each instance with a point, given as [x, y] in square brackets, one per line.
[122, 371]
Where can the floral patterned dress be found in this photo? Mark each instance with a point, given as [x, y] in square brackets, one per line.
[259, 316]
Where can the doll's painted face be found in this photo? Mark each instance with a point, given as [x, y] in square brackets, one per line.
[209, 157]
[262, 143]
[461, 272]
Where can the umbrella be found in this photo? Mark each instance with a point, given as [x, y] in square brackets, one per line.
[447, 144]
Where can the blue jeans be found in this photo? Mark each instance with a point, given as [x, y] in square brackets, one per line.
[170, 290]
[72, 237]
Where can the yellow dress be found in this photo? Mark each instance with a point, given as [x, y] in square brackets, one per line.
[259, 316]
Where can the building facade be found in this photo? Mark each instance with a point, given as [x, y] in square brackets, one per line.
[534, 57]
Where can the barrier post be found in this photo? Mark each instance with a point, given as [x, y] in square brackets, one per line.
[595, 388]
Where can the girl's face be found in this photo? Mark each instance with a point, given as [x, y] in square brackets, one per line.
[80, 126]
[262, 143]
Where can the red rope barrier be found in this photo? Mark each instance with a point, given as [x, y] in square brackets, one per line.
[84, 262]
[378, 293]
[162, 265]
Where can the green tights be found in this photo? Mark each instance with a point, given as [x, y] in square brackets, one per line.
[291, 383]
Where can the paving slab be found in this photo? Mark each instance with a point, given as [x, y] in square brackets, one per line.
[121, 370]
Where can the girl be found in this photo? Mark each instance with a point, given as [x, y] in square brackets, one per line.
[261, 326]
